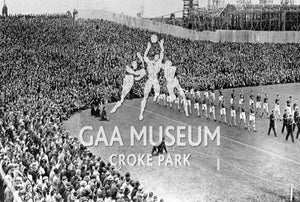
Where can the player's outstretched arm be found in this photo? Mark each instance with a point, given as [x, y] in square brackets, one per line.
[162, 49]
[138, 54]
[131, 71]
[141, 73]
[146, 52]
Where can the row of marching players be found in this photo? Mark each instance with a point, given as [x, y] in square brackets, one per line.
[204, 104]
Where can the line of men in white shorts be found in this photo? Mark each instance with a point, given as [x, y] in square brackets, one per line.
[205, 106]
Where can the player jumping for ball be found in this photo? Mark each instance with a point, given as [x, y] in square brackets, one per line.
[128, 81]
[153, 68]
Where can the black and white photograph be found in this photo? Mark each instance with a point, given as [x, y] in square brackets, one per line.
[149, 101]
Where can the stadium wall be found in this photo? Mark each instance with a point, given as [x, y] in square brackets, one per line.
[246, 36]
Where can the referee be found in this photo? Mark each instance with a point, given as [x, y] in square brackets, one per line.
[290, 128]
[272, 123]
[285, 118]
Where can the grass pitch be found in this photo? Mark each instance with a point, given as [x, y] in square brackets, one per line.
[253, 166]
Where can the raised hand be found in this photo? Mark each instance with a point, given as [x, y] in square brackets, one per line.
[140, 57]
[148, 45]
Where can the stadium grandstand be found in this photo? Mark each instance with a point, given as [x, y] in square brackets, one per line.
[264, 16]
[55, 68]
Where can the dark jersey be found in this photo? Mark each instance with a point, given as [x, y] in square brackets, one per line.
[232, 106]
[198, 99]
[277, 101]
[272, 119]
[204, 100]
[252, 110]
[232, 96]
[212, 103]
[243, 108]
[223, 104]
[265, 100]
[295, 105]
[258, 98]
[288, 103]
[285, 117]
[296, 116]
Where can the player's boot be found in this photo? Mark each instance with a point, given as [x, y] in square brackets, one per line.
[115, 108]
[141, 117]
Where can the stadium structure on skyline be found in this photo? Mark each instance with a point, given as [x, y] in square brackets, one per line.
[244, 15]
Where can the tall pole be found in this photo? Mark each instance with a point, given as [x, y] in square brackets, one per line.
[142, 8]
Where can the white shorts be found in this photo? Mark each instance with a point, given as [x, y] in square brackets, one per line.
[212, 109]
[189, 103]
[204, 107]
[258, 105]
[289, 110]
[222, 111]
[232, 113]
[240, 101]
[266, 107]
[177, 100]
[252, 117]
[243, 116]
[196, 106]
[277, 108]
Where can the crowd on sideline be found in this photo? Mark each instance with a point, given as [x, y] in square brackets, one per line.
[52, 67]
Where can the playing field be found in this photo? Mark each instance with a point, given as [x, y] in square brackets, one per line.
[253, 166]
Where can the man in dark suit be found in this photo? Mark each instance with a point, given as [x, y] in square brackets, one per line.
[290, 128]
[272, 123]
[104, 116]
[285, 118]
[297, 121]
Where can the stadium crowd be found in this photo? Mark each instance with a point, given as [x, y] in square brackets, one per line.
[51, 67]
